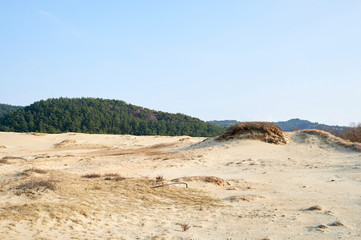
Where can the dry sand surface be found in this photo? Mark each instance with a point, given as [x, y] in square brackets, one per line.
[80, 186]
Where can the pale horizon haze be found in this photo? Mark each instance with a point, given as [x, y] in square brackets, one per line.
[214, 60]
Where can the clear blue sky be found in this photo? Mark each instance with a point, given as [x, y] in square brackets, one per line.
[243, 60]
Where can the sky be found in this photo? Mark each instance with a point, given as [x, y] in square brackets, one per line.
[239, 60]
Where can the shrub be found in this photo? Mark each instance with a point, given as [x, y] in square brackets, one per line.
[185, 226]
[36, 185]
[159, 179]
[91, 175]
[352, 134]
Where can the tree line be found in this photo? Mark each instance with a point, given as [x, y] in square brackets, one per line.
[95, 115]
[5, 109]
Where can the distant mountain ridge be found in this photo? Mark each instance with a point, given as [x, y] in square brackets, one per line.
[95, 115]
[298, 124]
[290, 125]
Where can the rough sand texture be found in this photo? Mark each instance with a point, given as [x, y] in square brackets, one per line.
[79, 186]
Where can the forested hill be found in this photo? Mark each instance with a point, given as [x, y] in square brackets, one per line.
[5, 109]
[89, 115]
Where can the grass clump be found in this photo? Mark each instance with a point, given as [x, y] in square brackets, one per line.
[36, 186]
[159, 179]
[4, 161]
[184, 226]
[112, 175]
[91, 175]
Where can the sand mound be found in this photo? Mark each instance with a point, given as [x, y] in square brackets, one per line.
[65, 143]
[325, 138]
[209, 179]
[264, 131]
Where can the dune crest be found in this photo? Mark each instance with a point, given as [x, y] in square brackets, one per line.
[264, 131]
[325, 138]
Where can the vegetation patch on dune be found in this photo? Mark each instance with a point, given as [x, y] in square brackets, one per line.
[264, 131]
[61, 195]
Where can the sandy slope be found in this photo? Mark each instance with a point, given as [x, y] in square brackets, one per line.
[267, 189]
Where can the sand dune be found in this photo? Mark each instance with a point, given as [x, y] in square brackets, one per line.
[80, 186]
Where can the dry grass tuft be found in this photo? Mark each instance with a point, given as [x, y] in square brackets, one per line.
[184, 226]
[315, 208]
[91, 175]
[120, 178]
[321, 226]
[264, 131]
[95, 196]
[33, 210]
[112, 175]
[209, 179]
[4, 161]
[337, 224]
[159, 179]
[35, 186]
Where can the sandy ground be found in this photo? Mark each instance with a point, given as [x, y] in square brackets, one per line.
[80, 186]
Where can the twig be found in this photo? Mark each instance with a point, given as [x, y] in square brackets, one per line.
[171, 184]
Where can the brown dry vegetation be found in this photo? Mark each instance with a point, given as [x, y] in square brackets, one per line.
[352, 134]
[263, 131]
[72, 195]
[184, 226]
[159, 179]
[35, 185]
[112, 175]
[91, 175]
[209, 179]
[4, 161]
